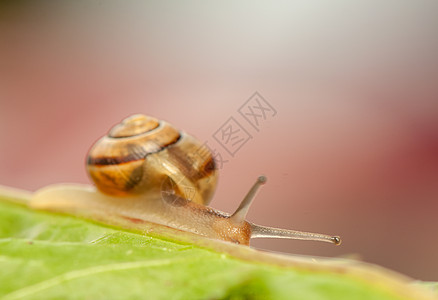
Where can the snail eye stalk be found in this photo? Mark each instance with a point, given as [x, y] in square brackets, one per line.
[259, 231]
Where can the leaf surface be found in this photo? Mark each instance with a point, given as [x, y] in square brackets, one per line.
[49, 256]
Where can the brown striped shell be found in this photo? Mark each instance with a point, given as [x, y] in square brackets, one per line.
[145, 155]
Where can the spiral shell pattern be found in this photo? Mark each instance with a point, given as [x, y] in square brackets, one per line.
[144, 155]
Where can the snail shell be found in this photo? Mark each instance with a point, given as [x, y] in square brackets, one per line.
[143, 154]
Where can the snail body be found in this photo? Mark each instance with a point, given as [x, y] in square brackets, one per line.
[145, 170]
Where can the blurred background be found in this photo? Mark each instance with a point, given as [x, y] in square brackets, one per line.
[352, 149]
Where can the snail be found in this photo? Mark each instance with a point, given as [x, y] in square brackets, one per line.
[145, 170]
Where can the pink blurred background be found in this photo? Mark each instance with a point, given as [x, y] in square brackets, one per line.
[352, 150]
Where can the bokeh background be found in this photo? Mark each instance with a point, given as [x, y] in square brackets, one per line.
[352, 150]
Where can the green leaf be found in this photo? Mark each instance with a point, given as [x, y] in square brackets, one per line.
[51, 256]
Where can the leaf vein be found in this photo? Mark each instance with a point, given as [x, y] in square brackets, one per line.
[44, 285]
